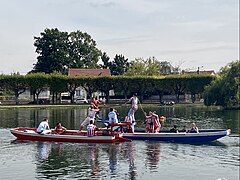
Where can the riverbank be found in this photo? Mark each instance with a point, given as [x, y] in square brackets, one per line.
[86, 105]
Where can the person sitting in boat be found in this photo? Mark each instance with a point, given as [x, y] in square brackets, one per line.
[152, 122]
[174, 129]
[194, 129]
[59, 129]
[112, 116]
[91, 116]
[43, 127]
[184, 129]
[91, 129]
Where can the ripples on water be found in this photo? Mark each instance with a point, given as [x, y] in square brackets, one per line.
[135, 160]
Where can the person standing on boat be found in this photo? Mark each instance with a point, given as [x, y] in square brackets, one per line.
[91, 116]
[43, 127]
[149, 123]
[91, 129]
[96, 103]
[152, 122]
[134, 107]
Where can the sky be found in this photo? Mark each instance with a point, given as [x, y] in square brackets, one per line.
[186, 33]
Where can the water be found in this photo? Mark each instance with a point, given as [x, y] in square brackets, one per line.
[134, 160]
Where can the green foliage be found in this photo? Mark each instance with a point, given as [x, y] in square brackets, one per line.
[82, 51]
[106, 61]
[119, 65]
[52, 48]
[224, 90]
[141, 67]
[15, 83]
[143, 85]
[37, 82]
[59, 51]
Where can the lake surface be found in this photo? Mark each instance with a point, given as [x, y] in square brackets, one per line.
[134, 160]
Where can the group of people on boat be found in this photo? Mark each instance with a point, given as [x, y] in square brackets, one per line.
[153, 124]
[44, 128]
[193, 129]
[152, 120]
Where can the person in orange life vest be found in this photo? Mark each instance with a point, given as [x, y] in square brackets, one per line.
[59, 129]
[152, 122]
[91, 116]
[91, 129]
[134, 107]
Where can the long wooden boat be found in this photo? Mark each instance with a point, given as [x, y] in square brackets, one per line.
[204, 135]
[26, 133]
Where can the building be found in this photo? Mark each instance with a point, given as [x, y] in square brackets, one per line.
[80, 92]
[210, 72]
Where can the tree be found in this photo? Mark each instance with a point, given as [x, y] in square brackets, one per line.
[52, 48]
[59, 51]
[58, 83]
[83, 52]
[224, 90]
[119, 65]
[16, 83]
[37, 82]
[106, 61]
[141, 67]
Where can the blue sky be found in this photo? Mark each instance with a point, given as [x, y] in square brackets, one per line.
[189, 33]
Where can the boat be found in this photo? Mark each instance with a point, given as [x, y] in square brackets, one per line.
[204, 136]
[102, 136]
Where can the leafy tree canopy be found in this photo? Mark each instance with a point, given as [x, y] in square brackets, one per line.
[118, 66]
[141, 67]
[224, 90]
[58, 51]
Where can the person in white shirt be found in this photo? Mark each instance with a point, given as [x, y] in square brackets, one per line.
[134, 107]
[91, 129]
[91, 116]
[112, 116]
[43, 127]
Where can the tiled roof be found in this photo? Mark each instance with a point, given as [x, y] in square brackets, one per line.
[211, 72]
[88, 72]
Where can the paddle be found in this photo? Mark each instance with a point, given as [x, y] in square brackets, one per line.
[122, 139]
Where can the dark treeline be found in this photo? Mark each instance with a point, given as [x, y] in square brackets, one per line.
[122, 85]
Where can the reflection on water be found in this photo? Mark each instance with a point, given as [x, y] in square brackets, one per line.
[43, 151]
[112, 154]
[135, 160]
[130, 160]
[152, 154]
[92, 160]
[71, 117]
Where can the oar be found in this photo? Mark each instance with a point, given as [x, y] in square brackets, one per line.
[141, 107]
[122, 139]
